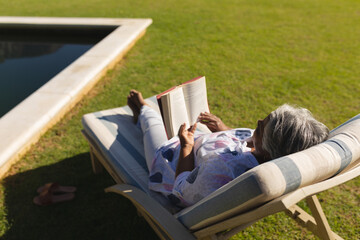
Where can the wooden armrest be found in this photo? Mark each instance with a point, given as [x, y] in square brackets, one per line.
[157, 214]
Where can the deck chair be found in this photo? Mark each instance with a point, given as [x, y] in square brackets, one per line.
[276, 186]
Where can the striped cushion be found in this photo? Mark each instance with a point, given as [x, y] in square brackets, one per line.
[117, 142]
[277, 177]
[121, 142]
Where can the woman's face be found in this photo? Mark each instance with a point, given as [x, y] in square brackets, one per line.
[259, 152]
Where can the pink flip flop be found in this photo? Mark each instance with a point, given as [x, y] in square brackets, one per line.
[47, 198]
[56, 188]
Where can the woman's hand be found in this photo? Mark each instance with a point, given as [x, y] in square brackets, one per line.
[186, 136]
[186, 156]
[212, 122]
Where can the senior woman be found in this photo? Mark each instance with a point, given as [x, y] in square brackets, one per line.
[192, 165]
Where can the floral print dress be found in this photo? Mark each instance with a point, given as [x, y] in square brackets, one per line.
[219, 158]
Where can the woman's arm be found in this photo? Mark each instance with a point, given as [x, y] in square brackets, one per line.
[212, 122]
[186, 157]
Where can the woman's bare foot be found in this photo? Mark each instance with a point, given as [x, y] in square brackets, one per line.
[135, 101]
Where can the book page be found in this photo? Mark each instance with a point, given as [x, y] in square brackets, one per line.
[177, 112]
[195, 96]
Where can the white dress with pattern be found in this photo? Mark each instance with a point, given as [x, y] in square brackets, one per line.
[219, 158]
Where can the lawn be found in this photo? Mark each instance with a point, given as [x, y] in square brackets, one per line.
[255, 54]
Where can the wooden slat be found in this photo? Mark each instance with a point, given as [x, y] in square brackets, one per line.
[159, 215]
[323, 228]
[272, 207]
[307, 221]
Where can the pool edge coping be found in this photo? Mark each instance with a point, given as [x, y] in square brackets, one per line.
[23, 126]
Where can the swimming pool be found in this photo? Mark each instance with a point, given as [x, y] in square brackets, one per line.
[25, 67]
[24, 124]
[31, 56]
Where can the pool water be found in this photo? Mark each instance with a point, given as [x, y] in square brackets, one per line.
[31, 56]
[26, 66]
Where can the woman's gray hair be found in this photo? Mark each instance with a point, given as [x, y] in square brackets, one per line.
[290, 130]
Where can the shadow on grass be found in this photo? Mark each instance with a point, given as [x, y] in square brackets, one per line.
[93, 214]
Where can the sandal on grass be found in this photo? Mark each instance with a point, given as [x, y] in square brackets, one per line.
[47, 198]
[56, 188]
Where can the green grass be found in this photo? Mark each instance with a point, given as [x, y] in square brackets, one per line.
[256, 55]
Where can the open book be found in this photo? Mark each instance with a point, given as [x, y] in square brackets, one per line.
[183, 104]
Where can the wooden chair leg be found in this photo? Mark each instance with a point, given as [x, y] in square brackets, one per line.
[323, 227]
[317, 223]
[95, 163]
